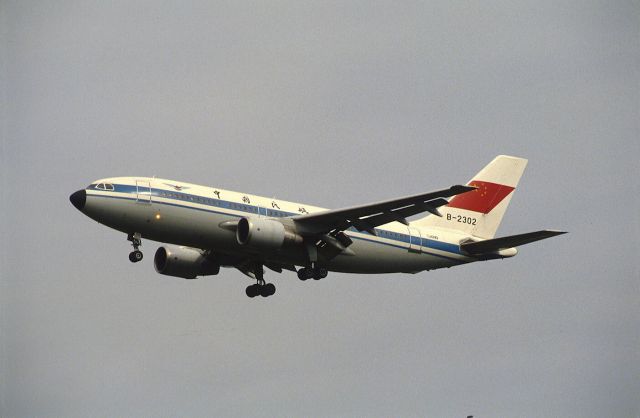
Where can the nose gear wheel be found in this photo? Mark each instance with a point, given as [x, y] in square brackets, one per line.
[136, 241]
[135, 256]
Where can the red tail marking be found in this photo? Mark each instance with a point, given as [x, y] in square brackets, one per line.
[486, 197]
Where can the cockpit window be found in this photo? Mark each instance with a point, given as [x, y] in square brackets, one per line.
[104, 186]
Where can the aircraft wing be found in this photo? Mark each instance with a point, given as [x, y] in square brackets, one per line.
[367, 217]
[497, 244]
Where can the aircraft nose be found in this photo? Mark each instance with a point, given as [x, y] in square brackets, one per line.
[78, 199]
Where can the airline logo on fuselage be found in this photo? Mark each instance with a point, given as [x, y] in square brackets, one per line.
[176, 187]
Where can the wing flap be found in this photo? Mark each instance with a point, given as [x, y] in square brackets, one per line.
[497, 244]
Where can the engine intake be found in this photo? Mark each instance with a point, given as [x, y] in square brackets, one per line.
[183, 262]
[265, 234]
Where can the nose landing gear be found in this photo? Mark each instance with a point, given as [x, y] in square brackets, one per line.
[136, 241]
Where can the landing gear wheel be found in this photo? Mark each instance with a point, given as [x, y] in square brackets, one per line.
[136, 242]
[308, 273]
[315, 273]
[260, 288]
[267, 290]
[253, 290]
[264, 290]
[320, 273]
[135, 256]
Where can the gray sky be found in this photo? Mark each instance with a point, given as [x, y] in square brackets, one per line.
[333, 104]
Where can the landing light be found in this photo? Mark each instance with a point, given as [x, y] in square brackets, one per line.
[158, 216]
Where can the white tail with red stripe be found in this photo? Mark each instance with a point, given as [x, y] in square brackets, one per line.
[480, 212]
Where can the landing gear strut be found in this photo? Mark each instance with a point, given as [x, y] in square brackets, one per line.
[314, 272]
[136, 241]
[260, 288]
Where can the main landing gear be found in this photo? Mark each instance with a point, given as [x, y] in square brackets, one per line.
[260, 288]
[136, 241]
[314, 272]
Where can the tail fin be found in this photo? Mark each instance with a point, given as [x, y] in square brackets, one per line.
[480, 212]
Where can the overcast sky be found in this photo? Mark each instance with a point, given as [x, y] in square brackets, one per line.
[332, 104]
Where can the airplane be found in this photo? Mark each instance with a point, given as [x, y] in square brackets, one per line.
[206, 228]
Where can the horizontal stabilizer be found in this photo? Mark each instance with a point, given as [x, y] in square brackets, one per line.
[497, 244]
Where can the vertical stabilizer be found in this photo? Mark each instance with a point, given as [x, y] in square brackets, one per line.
[480, 212]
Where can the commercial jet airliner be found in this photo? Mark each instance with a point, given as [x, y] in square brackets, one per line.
[208, 227]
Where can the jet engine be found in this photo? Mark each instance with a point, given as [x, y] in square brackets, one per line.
[265, 234]
[184, 262]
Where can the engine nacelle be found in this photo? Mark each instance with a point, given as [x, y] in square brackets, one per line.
[266, 234]
[183, 262]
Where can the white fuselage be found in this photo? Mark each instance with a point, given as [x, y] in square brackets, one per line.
[191, 215]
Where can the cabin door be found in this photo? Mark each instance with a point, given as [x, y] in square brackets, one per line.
[415, 239]
[143, 191]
